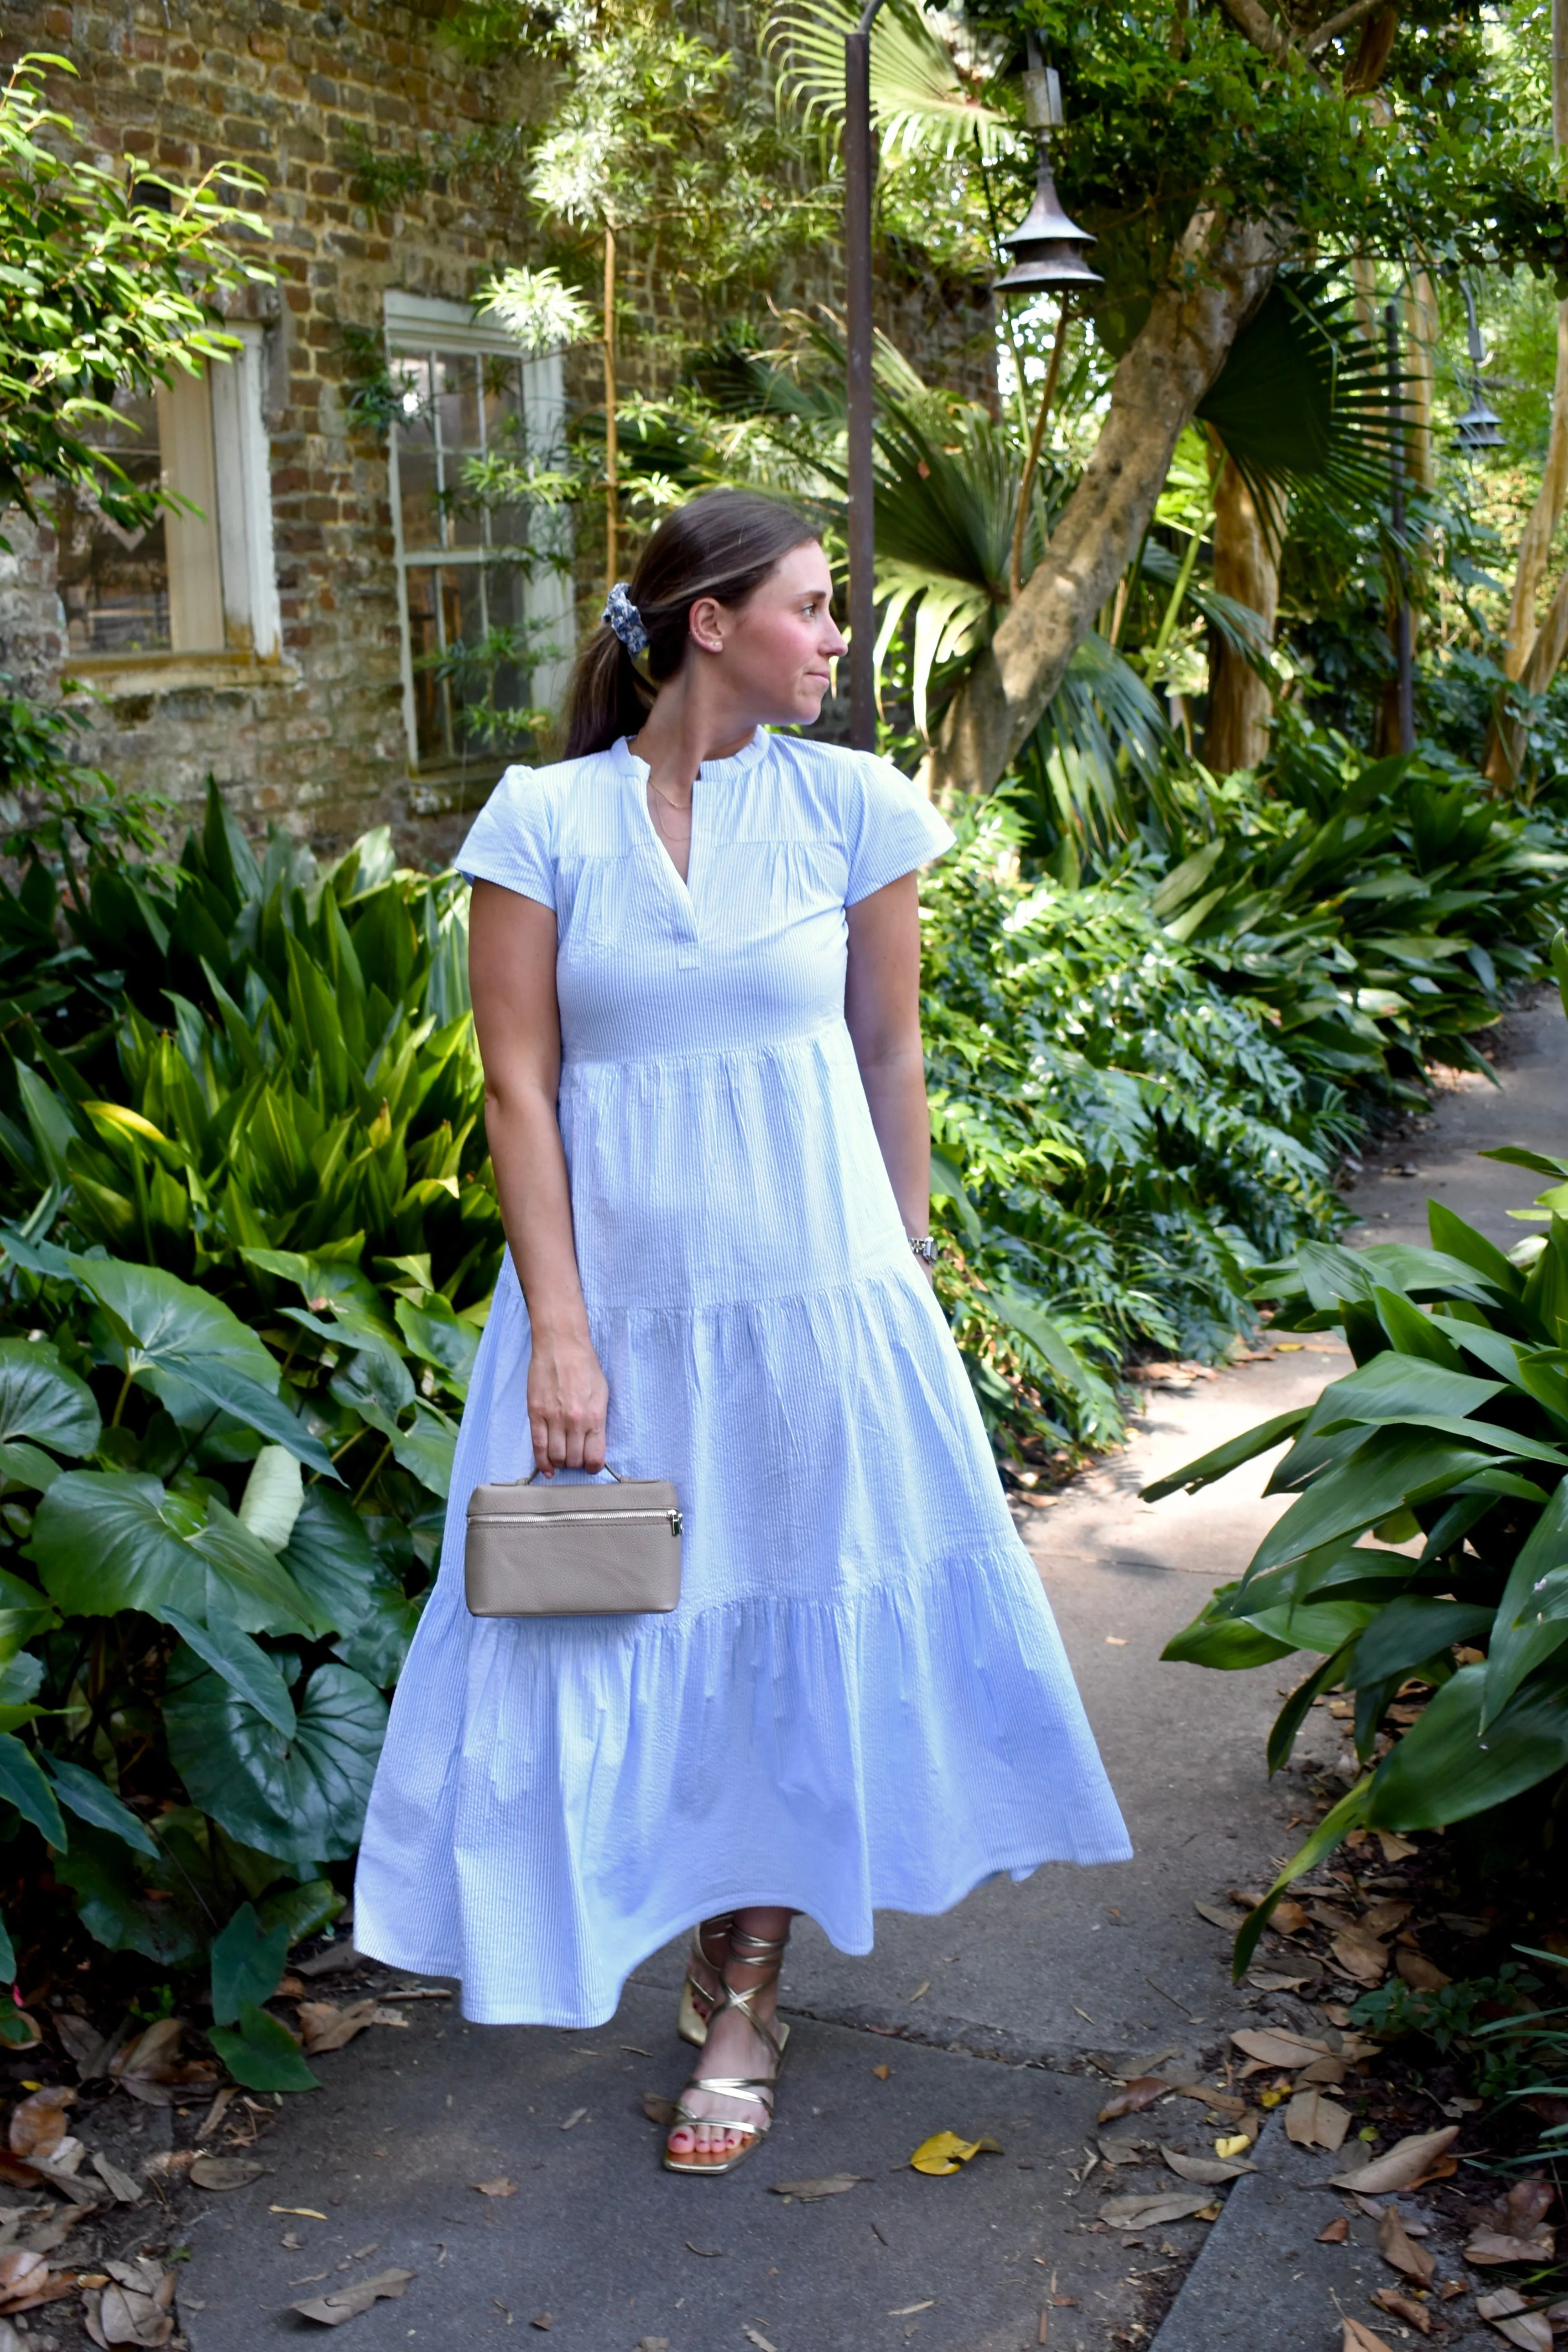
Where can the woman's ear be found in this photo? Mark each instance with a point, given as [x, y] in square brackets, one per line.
[706, 624]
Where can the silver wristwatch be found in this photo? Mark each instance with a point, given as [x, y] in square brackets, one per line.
[925, 1249]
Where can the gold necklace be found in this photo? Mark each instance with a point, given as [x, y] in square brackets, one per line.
[682, 808]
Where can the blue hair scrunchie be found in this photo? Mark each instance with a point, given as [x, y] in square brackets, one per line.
[625, 620]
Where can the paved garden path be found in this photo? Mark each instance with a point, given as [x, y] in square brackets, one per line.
[1004, 2017]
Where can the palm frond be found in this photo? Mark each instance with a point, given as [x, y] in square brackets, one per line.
[1243, 629]
[921, 100]
[1304, 403]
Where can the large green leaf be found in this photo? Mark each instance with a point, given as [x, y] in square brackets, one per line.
[1396, 1387]
[263, 2053]
[40, 1401]
[216, 1382]
[1524, 1633]
[1325, 1625]
[83, 1793]
[331, 1559]
[247, 1963]
[429, 1449]
[1216, 1639]
[1410, 1631]
[434, 1332]
[1446, 1769]
[242, 1663]
[167, 1317]
[1394, 1467]
[107, 1540]
[1227, 1458]
[23, 1783]
[301, 1798]
[114, 1907]
[1336, 1823]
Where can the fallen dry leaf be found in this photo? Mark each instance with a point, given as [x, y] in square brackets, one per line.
[25, 2279]
[1359, 1954]
[832, 2184]
[38, 2121]
[135, 2305]
[881, 2073]
[1234, 2144]
[1266, 1980]
[1152, 2212]
[348, 2302]
[658, 2108]
[1134, 2097]
[87, 2049]
[1419, 1973]
[1403, 2306]
[1209, 2169]
[944, 2152]
[905, 2310]
[1216, 1918]
[1337, 2231]
[1405, 2165]
[1357, 2338]
[543, 2320]
[920, 1991]
[224, 2171]
[1224, 2103]
[1121, 2151]
[151, 2069]
[501, 2186]
[325, 2026]
[1505, 2311]
[1395, 1849]
[1401, 2253]
[1527, 2202]
[754, 2335]
[1386, 1916]
[1271, 2047]
[120, 2185]
[1488, 2247]
[1288, 1918]
[1314, 2120]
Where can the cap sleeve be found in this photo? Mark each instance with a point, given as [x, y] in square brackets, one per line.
[895, 830]
[513, 839]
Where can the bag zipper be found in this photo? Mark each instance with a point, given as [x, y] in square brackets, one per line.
[559, 1518]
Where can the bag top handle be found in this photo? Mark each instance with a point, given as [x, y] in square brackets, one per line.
[539, 1474]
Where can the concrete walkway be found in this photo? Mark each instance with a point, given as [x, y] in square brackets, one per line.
[1066, 1980]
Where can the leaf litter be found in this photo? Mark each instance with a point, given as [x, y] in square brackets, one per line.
[1408, 2164]
[944, 2152]
[1400, 2252]
[347, 2302]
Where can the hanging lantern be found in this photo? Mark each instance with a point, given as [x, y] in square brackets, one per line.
[1046, 246]
[1479, 427]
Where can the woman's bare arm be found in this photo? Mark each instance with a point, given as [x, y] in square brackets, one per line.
[511, 973]
[882, 1007]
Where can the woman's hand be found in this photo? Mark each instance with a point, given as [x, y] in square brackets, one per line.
[568, 1400]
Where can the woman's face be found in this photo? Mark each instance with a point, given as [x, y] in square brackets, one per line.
[775, 649]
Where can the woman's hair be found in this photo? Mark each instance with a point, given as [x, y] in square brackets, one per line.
[723, 544]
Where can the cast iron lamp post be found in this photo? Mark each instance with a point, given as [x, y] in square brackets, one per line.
[1479, 427]
[1046, 256]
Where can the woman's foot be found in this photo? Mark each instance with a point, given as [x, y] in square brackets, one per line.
[717, 2127]
[704, 1983]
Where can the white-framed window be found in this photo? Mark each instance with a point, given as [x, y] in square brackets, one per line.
[196, 580]
[483, 575]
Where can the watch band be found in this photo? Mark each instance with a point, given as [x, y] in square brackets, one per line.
[925, 1248]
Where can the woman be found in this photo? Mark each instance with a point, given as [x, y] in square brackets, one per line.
[695, 954]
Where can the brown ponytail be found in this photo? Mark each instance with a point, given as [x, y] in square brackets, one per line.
[723, 544]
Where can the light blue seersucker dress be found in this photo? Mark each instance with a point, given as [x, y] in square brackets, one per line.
[861, 1702]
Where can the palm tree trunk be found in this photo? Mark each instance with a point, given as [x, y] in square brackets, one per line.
[1221, 270]
[612, 446]
[1505, 743]
[1241, 710]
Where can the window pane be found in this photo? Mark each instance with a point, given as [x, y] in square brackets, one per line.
[113, 581]
[474, 654]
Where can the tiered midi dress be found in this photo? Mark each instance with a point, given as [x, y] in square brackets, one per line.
[862, 1701]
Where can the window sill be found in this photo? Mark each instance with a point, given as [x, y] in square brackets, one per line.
[124, 674]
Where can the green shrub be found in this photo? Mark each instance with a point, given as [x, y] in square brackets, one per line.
[1453, 1428]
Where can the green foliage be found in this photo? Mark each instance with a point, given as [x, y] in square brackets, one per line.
[1453, 1427]
[104, 281]
[248, 1242]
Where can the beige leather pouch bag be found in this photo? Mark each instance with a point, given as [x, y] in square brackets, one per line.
[536, 1550]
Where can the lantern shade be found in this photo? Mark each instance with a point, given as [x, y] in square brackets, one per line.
[1479, 427]
[1047, 246]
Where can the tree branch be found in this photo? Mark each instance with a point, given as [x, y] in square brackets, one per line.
[1260, 27]
[1221, 271]
[1333, 26]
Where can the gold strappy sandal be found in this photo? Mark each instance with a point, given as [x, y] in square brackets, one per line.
[757, 2089]
[697, 2003]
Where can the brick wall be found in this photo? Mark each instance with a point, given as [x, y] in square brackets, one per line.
[297, 89]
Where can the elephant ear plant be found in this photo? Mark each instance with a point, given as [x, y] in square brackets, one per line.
[247, 1244]
[1450, 1440]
